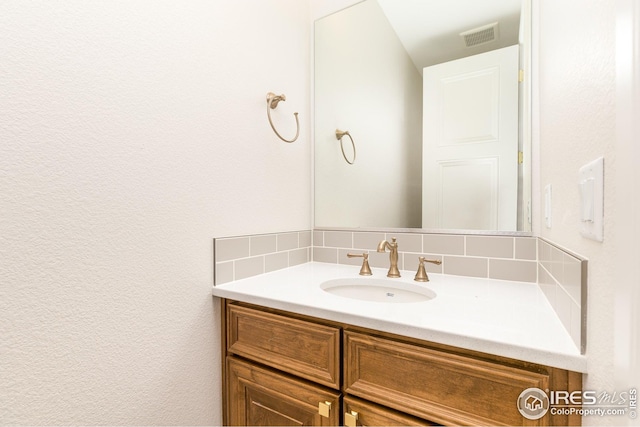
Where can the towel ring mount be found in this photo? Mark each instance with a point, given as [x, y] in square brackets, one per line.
[272, 103]
[339, 135]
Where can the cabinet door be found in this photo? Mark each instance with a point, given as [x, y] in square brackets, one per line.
[362, 413]
[304, 349]
[261, 397]
[446, 388]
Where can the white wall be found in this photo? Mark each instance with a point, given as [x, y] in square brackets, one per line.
[577, 115]
[322, 8]
[131, 134]
[376, 95]
[627, 179]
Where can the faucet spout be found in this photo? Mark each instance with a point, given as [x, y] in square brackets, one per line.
[382, 246]
[393, 256]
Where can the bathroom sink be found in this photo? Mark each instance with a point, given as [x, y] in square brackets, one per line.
[378, 290]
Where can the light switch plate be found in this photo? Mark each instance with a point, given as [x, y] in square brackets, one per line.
[591, 186]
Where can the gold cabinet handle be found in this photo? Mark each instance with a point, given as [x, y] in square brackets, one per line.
[324, 408]
[351, 419]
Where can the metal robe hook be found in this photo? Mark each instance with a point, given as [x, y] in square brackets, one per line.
[272, 103]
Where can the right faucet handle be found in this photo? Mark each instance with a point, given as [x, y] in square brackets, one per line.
[421, 275]
[365, 270]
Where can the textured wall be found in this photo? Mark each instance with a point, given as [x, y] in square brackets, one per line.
[577, 125]
[132, 133]
[627, 223]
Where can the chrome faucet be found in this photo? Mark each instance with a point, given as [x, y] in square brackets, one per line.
[393, 256]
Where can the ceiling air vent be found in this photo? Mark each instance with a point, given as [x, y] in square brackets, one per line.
[480, 35]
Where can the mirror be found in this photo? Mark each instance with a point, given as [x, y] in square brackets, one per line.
[372, 61]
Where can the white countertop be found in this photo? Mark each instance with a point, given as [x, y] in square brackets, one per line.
[510, 319]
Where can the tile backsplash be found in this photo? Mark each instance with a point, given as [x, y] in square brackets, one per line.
[561, 275]
[244, 256]
[496, 257]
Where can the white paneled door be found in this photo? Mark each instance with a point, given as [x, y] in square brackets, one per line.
[470, 142]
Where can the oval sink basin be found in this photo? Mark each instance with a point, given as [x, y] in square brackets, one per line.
[378, 290]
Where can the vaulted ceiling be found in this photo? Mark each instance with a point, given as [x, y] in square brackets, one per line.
[430, 29]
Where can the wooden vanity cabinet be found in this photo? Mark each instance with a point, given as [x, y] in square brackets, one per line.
[287, 369]
[302, 348]
[363, 413]
[263, 397]
[280, 370]
[444, 387]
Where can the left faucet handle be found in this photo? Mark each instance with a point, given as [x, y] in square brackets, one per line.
[365, 270]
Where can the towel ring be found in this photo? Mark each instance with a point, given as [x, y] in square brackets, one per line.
[272, 103]
[339, 135]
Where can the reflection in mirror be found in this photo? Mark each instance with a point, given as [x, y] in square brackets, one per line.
[421, 88]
